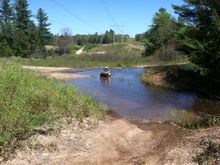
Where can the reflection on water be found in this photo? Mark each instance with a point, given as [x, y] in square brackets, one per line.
[127, 95]
[105, 80]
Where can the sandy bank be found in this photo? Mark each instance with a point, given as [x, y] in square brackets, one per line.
[55, 72]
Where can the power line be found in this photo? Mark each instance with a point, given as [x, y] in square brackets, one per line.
[76, 16]
[105, 6]
[65, 25]
[120, 28]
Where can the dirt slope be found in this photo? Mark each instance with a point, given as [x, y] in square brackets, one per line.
[113, 140]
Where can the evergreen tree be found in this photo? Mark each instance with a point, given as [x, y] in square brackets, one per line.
[201, 37]
[22, 45]
[44, 35]
[161, 32]
[6, 30]
[33, 36]
[109, 37]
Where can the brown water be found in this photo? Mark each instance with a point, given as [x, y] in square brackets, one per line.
[127, 95]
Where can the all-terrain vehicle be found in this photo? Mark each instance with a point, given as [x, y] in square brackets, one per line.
[105, 72]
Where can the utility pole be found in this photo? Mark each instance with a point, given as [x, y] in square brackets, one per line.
[101, 40]
[121, 30]
[113, 35]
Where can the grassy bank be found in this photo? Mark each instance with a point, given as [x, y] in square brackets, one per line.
[178, 77]
[27, 101]
[92, 60]
[182, 77]
[95, 60]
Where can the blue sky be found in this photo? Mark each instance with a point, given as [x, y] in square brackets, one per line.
[90, 16]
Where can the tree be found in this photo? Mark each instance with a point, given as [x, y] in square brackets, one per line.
[33, 36]
[44, 35]
[64, 41]
[6, 29]
[161, 32]
[109, 37]
[22, 45]
[140, 37]
[201, 34]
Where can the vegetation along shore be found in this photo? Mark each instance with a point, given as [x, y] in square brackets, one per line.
[45, 120]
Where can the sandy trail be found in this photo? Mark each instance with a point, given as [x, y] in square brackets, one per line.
[113, 140]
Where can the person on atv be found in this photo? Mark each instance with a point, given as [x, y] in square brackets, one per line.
[105, 72]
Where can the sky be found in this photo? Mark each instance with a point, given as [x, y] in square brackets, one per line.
[90, 16]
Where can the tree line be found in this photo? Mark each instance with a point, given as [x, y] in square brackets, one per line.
[66, 39]
[196, 33]
[109, 37]
[19, 35]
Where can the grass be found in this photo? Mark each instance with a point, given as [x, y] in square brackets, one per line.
[186, 119]
[86, 60]
[112, 55]
[191, 120]
[117, 49]
[28, 101]
[96, 60]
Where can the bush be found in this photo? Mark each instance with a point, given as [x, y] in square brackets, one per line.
[167, 53]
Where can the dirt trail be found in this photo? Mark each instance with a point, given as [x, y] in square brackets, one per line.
[114, 140]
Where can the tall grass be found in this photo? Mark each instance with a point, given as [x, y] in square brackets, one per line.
[92, 60]
[191, 120]
[27, 100]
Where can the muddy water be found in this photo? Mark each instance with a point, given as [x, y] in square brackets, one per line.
[125, 94]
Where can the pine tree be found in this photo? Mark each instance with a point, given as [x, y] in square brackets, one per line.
[6, 29]
[44, 35]
[33, 36]
[22, 45]
[201, 35]
[161, 32]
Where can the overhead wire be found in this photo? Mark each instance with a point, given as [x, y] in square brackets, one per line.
[76, 16]
[106, 8]
[65, 25]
